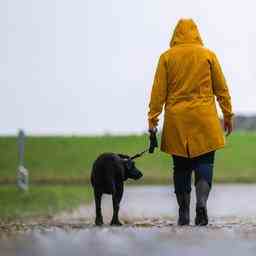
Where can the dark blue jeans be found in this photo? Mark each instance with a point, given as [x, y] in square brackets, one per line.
[183, 168]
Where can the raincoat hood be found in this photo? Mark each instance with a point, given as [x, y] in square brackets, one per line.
[186, 32]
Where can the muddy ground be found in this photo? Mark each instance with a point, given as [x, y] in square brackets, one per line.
[149, 214]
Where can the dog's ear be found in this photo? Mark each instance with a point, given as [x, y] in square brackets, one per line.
[125, 162]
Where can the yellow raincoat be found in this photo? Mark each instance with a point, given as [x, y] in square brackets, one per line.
[187, 79]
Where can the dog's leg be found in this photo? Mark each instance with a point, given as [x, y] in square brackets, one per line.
[117, 196]
[97, 197]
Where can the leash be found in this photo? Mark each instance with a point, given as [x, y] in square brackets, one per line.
[139, 154]
[152, 146]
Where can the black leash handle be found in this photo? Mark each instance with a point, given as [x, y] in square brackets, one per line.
[153, 142]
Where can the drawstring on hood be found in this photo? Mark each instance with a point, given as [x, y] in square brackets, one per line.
[186, 32]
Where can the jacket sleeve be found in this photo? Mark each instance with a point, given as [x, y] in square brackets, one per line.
[220, 88]
[158, 93]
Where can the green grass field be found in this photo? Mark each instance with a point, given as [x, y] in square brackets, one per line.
[40, 201]
[69, 159]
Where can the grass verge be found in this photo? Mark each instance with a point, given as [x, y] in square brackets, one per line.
[40, 201]
[61, 160]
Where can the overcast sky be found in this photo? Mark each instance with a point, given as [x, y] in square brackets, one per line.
[86, 66]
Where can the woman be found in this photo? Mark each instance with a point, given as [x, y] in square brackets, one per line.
[187, 79]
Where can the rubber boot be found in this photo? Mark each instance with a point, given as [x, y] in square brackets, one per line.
[184, 205]
[202, 193]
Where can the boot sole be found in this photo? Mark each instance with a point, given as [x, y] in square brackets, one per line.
[183, 223]
[202, 223]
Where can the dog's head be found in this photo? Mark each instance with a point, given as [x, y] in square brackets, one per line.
[130, 170]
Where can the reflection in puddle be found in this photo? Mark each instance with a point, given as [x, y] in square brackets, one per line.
[133, 241]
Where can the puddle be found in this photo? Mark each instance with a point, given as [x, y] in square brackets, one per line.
[149, 215]
[226, 204]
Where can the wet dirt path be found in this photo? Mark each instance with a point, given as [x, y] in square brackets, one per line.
[149, 215]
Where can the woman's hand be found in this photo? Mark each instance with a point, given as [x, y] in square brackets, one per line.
[152, 130]
[228, 126]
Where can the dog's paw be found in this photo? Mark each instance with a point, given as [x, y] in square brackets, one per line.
[99, 222]
[115, 223]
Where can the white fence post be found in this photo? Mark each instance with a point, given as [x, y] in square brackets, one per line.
[22, 175]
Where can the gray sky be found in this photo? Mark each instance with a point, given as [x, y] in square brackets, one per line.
[86, 66]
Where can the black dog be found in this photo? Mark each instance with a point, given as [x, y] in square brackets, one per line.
[109, 172]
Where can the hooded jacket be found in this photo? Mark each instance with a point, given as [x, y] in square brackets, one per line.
[188, 78]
